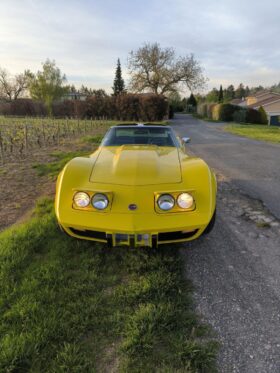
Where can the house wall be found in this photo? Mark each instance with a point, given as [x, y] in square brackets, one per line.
[273, 113]
[250, 100]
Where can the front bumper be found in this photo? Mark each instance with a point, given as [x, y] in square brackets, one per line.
[134, 240]
[148, 230]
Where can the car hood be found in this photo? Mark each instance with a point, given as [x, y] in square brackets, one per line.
[137, 165]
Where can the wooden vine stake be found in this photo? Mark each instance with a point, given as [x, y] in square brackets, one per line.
[1, 148]
[25, 137]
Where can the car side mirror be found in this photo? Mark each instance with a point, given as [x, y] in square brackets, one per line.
[186, 139]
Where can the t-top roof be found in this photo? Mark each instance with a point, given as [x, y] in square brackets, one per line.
[141, 125]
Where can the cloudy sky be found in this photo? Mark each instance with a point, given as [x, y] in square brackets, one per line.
[235, 40]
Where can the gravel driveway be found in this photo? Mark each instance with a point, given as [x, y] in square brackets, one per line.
[236, 269]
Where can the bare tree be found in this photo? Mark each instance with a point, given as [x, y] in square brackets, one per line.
[12, 87]
[158, 70]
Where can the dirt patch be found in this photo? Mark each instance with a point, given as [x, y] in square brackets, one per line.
[21, 186]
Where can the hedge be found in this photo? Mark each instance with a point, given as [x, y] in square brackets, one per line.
[135, 107]
[224, 112]
[23, 107]
[228, 113]
[248, 115]
[202, 110]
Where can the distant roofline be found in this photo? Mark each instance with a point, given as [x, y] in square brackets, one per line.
[263, 103]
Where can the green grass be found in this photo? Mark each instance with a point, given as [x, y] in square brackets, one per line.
[2, 171]
[76, 306]
[93, 139]
[52, 169]
[257, 132]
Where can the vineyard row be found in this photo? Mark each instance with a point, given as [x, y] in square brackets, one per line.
[19, 138]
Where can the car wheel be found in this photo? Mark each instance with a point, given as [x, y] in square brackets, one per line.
[210, 226]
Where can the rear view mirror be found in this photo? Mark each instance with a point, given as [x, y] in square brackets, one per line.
[186, 139]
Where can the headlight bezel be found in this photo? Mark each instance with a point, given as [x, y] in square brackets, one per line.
[176, 208]
[90, 207]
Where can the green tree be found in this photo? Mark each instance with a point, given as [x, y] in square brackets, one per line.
[240, 91]
[247, 91]
[229, 93]
[175, 100]
[48, 85]
[221, 94]
[199, 98]
[276, 88]
[212, 96]
[192, 101]
[118, 86]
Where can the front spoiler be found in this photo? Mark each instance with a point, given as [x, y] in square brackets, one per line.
[134, 239]
[137, 229]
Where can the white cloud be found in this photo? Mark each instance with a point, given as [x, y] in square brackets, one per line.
[234, 40]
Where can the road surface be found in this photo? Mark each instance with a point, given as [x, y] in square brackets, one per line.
[236, 269]
[252, 165]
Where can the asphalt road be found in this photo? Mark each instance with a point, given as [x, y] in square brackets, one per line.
[236, 269]
[254, 166]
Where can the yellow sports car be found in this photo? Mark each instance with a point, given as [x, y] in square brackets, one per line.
[139, 188]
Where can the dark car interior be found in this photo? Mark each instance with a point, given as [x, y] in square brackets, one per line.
[158, 136]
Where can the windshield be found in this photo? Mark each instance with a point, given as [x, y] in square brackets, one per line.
[160, 136]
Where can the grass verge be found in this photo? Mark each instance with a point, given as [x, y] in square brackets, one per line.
[60, 159]
[256, 132]
[76, 306]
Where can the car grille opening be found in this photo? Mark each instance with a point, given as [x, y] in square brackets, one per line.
[173, 236]
[89, 233]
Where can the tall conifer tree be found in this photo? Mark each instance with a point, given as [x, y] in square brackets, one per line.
[118, 86]
[221, 94]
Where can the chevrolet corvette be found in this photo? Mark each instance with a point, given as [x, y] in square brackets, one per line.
[139, 188]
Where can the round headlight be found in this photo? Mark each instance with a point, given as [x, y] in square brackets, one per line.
[185, 201]
[81, 199]
[166, 202]
[100, 201]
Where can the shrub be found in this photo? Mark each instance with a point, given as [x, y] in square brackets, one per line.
[202, 110]
[153, 107]
[253, 116]
[247, 115]
[224, 112]
[5, 108]
[130, 107]
[23, 107]
[239, 116]
[64, 109]
[210, 108]
[216, 111]
[263, 115]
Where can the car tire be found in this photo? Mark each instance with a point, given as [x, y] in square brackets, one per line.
[210, 226]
